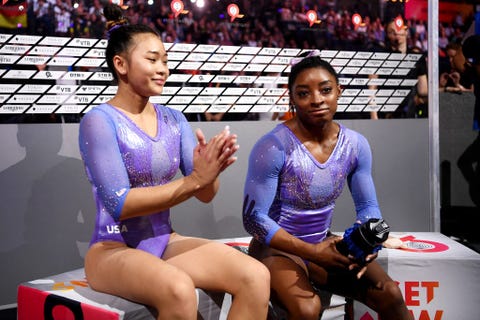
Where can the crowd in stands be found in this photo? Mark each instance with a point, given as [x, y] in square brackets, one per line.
[264, 23]
[267, 23]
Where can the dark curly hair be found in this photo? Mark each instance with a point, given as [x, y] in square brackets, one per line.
[307, 63]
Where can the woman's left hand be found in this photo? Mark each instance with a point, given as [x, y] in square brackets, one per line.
[362, 268]
[225, 142]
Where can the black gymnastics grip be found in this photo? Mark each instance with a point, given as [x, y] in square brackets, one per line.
[361, 240]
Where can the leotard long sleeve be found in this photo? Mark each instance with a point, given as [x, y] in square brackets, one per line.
[119, 156]
[286, 187]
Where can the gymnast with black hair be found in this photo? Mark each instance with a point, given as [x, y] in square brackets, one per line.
[132, 150]
[296, 172]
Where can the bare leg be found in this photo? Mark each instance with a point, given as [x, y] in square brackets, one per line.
[292, 287]
[134, 274]
[218, 267]
[289, 282]
[375, 289]
[386, 297]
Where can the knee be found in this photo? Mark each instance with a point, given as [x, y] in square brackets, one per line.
[256, 276]
[180, 300]
[390, 303]
[392, 297]
[253, 281]
[306, 309]
[183, 291]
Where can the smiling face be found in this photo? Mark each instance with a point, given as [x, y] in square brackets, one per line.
[144, 67]
[314, 93]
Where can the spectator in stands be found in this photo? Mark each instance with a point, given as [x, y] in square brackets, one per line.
[416, 103]
[295, 173]
[62, 19]
[170, 34]
[421, 29]
[96, 26]
[161, 18]
[132, 150]
[81, 20]
[96, 8]
[272, 22]
[286, 11]
[287, 16]
[457, 79]
[378, 33]
[442, 37]
[45, 18]
[224, 35]
[457, 35]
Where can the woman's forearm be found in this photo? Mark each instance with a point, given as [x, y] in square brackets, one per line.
[147, 200]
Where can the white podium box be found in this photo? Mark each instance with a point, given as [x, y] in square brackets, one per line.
[439, 277]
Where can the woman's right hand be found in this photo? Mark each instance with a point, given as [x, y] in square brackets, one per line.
[212, 157]
[327, 255]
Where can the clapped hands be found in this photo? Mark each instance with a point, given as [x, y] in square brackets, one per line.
[212, 157]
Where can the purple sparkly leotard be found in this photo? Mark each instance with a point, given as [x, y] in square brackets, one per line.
[119, 156]
[286, 187]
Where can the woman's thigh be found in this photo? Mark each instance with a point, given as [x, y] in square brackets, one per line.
[289, 276]
[213, 265]
[345, 283]
[134, 274]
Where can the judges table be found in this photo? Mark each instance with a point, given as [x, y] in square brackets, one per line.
[439, 278]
